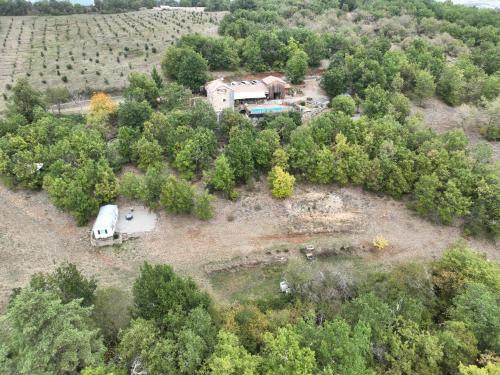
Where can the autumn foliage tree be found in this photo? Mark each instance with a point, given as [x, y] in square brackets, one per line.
[281, 183]
[102, 102]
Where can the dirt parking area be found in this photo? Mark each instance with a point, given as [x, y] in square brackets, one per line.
[36, 237]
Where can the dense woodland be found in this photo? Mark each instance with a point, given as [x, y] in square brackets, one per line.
[436, 318]
[420, 318]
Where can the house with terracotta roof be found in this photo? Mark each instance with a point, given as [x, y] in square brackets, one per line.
[224, 95]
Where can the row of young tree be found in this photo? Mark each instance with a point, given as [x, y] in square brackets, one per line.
[418, 319]
[385, 151]
[65, 7]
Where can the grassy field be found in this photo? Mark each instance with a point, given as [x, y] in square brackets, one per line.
[94, 51]
[262, 282]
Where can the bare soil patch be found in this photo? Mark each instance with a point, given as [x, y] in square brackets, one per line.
[36, 237]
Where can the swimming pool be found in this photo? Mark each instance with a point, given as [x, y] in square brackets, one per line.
[261, 110]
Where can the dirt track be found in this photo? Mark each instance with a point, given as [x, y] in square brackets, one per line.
[35, 236]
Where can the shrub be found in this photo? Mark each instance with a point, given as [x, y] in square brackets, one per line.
[380, 243]
[203, 209]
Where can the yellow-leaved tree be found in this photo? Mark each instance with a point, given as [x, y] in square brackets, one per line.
[102, 102]
[101, 107]
[280, 182]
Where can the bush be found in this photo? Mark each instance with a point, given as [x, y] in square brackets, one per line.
[380, 243]
[203, 209]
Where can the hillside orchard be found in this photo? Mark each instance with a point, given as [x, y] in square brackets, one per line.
[91, 52]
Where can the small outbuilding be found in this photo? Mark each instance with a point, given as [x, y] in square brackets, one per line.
[277, 88]
[105, 223]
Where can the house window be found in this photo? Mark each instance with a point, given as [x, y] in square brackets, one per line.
[106, 231]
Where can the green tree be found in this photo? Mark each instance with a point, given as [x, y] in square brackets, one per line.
[302, 151]
[479, 308]
[372, 310]
[401, 106]
[460, 266]
[230, 357]
[195, 154]
[459, 346]
[159, 294]
[239, 152]
[221, 177]
[451, 85]
[132, 186]
[192, 350]
[266, 144]
[325, 166]
[185, 66]
[142, 347]
[424, 85]
[49, 337]
[156, 77]
[489, 369]
[344, 103]
[485, 211]
[296, 66]
[111, 312]
[280, 158]
[202, 115]
[174, 96]
[106, 186]
[141, 87]
[149, 152]
[339, 348]
[335, 80]
[284, 125]
[133, 114]
[412, 351]
[283, 354]
[25, 99]
[127, 137]
[57, 95]
[377, 102]
[67, 283]
[177, 196]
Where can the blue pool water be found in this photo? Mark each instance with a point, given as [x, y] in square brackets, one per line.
[257, 111]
